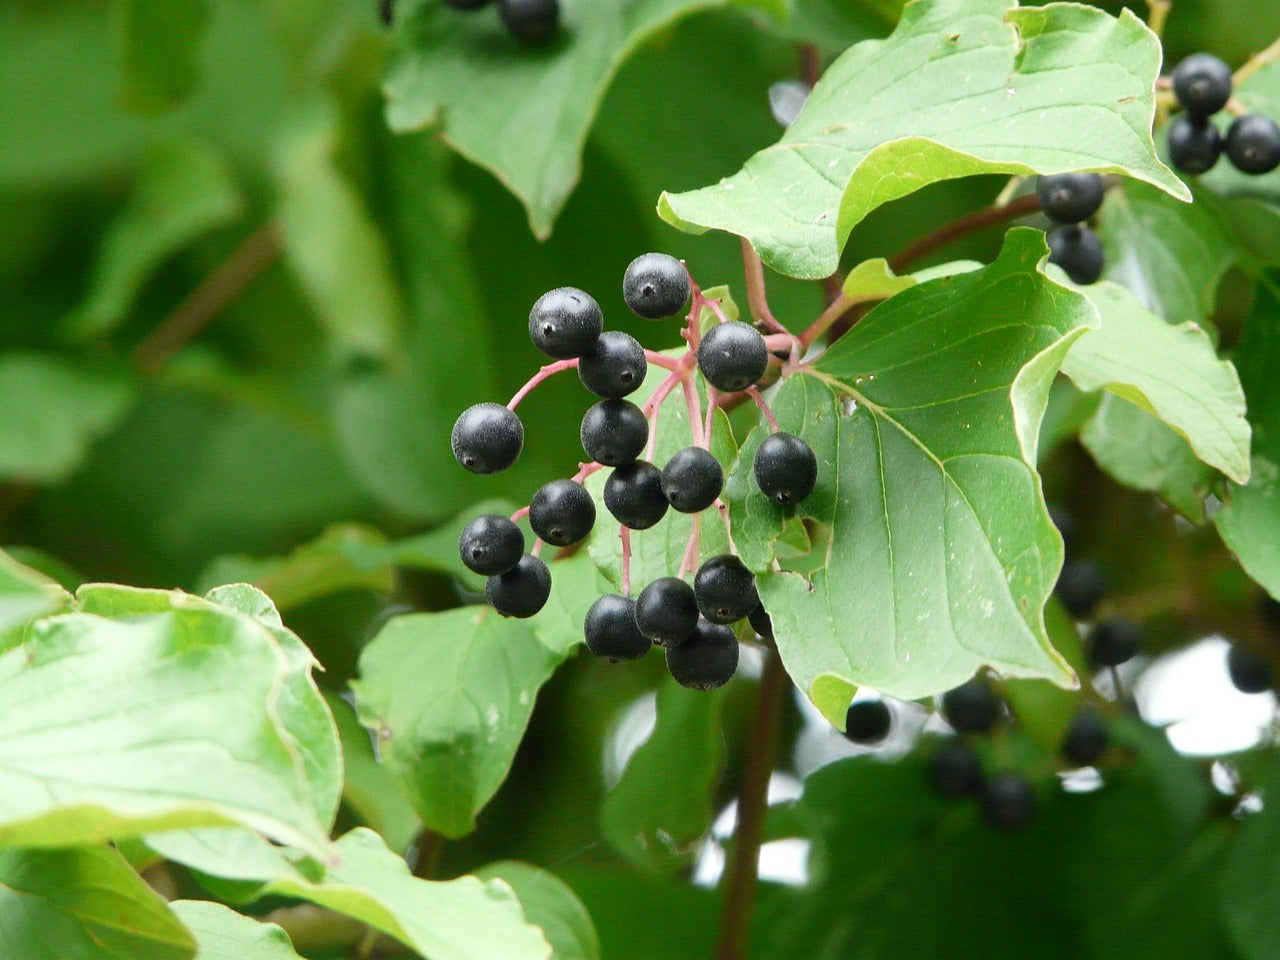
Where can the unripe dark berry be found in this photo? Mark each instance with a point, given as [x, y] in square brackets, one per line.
[1080, 586]
[1078, 251]
[1253, 144]
[1086, 738]
[565, 322]
[562, 512]
[1194, 143]
[633, 494]
[954, 769]
[522, 591]
[725, 589]
[656, 286]
[707, 658]
[1070, 197]
[487, 438]
[490, 545]
[972, 707]
[613, 366]
[785, 468]
[1007, 800]
[761, 623]
[1249, 672]
[610, 629]
[666, 611]
[1202, 84]
[614, 432]
[867, 721]
[732, 356]
[692, 480]
[1112, 642]
[532, 21]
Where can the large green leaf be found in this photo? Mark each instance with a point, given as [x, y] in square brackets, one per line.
[84, 903]
[25, 595]
[962, 87]
[939, 551]
[550, 904]
[223, 934]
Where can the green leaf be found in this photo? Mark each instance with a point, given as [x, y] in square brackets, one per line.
[1250, 894]
[874, 280]
[549, 903]
[1044, 711]
[661, 809]
[962, 87]
[42, 442]
[940, 553]
[223, 934]
[25, 595]
[161, 40]
[84, 903]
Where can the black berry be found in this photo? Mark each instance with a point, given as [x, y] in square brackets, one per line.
[387, 12]
[562, 512]
[954, 769]
[867, 721]
[785, 468]
[613, 366]
[1253, 143]
[610, 629]
[761, 623]
[732, 356]
[490, 545]
[532, 21]
[725, 589]
[1086, 738]
[614, 432]
[1112, 642]
[487, 438]
[706, 659]
[1249, 672]
[1078, 251]
[656, 286]
[1202, 84]
[522, 591]
[692, 480]
[666, 611]
[972, 707]
[565, 322]
[1070, 197]
[1080, 586]
[1007, 800]
[1269, 609]
[1194, 143]
[633, 494]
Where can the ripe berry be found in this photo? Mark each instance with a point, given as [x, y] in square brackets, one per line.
[972, 707]
[487, 438]
[614, 432]
[1249, 672]
[532, 21]
[565, 322]
[522, 591]
[633, 494]
[732, 356]
[1253, 143]
[490, 545]
[761, 623]
[1070, 197]
[610, 629]
[1078, 251]
[785, 468]
[725, 589]
[666, 611]
[656, 286]
[613, 366]
[1112, 642]
[1080, 586]
[1194, 143]
[1202, 84]
[706, 659]
[692, 480]
[1007, 800]
[867, 721]
[1086, 738]
[562, 512]
[954, 769]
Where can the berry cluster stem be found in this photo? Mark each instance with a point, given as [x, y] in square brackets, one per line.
[1256, 63]
[753, 273]
[764, 409]
[624, 534]
[543, 373]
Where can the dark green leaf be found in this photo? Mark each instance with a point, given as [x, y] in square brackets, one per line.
[549, 903]
[161, 40]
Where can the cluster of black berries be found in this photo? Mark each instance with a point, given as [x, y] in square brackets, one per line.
[691, 622]
[1202, 84]
[532, 21]
[1069, 199]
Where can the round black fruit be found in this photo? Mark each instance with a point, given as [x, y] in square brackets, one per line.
[562, 512]
[1007, 800]
[490, 545]
[613, 366]
[614, 432]
[785, 468]
[1248, 671]
[487, 438]
[532, 21]
[692, 480]
[522, 591]
[666, 611]
[707, 658]
[761, 623]
[867, 721]
[1253, 143]
[1194, 143]
[954, 769]
[972, 707]
[732, 356]
[1080, 586]
[633, 494]
[656, 286]
[725, 589]
[1202, 84]
[1086, 738]
[1070, 197]
[1078, 251]
[565, 322]
[1112, 642]
[610, 629]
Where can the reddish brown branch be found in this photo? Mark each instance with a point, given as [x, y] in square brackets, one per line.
[970, 223]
